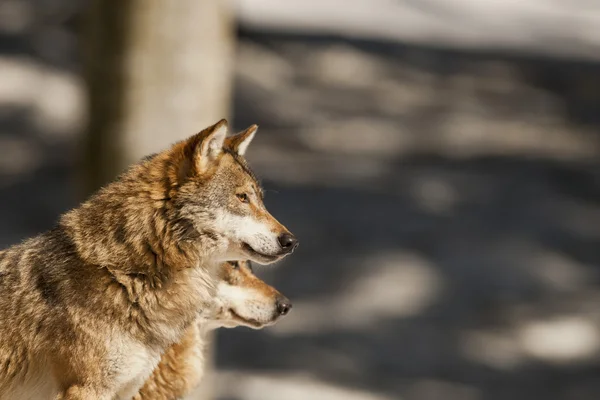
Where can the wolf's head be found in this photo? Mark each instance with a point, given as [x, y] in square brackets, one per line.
[244, 299]
[218, 195]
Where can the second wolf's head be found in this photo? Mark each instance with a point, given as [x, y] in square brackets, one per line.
[218, 195]
[242, 299]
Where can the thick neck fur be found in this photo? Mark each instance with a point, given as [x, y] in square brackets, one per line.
[132, 224]
[131, 229]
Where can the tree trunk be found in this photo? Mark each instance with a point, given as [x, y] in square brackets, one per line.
[157, 71]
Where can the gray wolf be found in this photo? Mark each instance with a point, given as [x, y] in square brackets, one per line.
[88, 308]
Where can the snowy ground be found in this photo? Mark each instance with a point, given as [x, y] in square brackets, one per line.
[556, 27]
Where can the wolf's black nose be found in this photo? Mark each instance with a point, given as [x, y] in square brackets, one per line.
[283, 305]
[287, 241]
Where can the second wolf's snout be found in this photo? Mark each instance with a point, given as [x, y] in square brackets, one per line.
[288, 242]
[284, 305]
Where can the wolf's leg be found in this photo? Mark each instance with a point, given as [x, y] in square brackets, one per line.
[179, 370]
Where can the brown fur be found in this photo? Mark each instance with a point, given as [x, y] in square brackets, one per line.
[96, 300]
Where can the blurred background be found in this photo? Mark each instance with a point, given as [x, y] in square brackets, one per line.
[438, 160]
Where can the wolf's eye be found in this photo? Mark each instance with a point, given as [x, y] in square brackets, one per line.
[243, 197]
[234, 264]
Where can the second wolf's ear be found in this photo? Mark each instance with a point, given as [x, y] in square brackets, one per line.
[239, 143]
[210, 146]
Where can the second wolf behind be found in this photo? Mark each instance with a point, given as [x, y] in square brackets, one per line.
[242, 299]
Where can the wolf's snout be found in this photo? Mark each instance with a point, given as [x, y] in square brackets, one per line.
[287, 241]
[284, 305]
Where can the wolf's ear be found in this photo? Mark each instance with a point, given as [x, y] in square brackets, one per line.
[239, 143]
[210, 145]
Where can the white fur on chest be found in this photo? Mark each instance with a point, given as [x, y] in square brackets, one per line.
[135, 364]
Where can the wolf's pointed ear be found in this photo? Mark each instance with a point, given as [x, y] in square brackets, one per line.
[210, 146]
[239, 143]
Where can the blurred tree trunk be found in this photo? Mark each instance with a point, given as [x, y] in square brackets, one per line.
[157, 71]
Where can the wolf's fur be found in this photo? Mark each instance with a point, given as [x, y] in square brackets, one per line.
[87, 309]
[241, 299]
